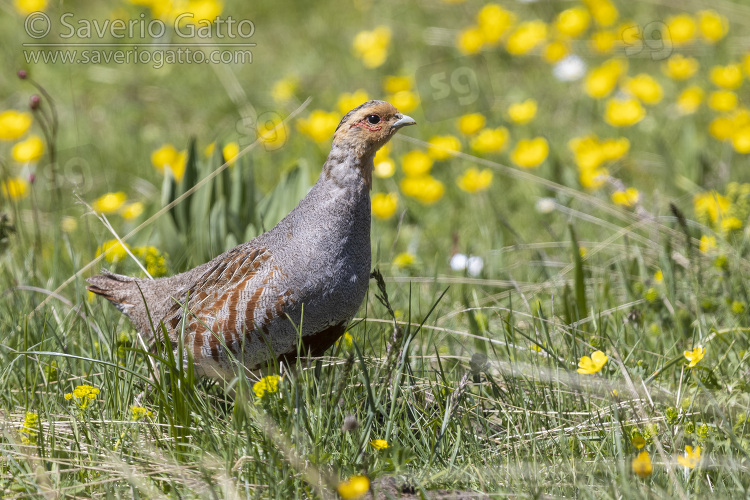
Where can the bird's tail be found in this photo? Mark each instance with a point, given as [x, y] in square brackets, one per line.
[122, 291]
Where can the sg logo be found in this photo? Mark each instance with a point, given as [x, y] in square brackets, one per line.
[653, 38]
[452, 88]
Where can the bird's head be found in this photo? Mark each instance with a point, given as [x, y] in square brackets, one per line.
[366, 128]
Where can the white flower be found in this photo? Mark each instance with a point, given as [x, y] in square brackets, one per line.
[474, 265]
[458, 262]
[570, 69]
[545, 205]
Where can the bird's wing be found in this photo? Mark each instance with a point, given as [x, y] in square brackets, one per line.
[236, 295]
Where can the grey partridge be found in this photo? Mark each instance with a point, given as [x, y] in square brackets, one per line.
[308, 275]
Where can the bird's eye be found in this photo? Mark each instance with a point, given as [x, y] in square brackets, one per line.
[373, 119]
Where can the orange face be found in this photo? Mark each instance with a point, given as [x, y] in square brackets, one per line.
[370, 125]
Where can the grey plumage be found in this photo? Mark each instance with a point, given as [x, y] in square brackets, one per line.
[317, 259]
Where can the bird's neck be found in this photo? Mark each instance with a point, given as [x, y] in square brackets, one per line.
[349, 167]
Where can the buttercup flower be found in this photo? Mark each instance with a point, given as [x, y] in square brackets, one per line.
[267, 385]
[404, 260]
[602, 80]
[284, 89]
[110, 202]
[416, 163]
[522, 112]
[272, 133]
[729, 224]
[15, 188]
[494, 22]
[113, 251]
[29, 150]
[131, 210]
[471, 124]
[590, 365]
[722, 100]
[691, 458]
[319, 125]
[14, 124]
[707, 243]
[26, 7]
[394, 84]
[530, 153]
[384, 166]
[690, 99]
[572, 22]
[441, 147]
[624, 112]
[526, 37]
[474, 180]
[555, 51]
[713, 26]
[603, 11]
[167, 157]
[379, 444]
[470, 40]
[405, 101]
[425, 188]
[679, 67]
[490, 140]
[384, 205]
[645, 88]
[349, 101]
[721, 128]
[230, 152]
[627, 198]
[681, 29]
[642, 464]
[372, 46]
[728, 77]
[603, 41]
[695, 355]
[353, 488]
[710, 205]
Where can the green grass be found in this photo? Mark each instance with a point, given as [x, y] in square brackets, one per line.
[471, 379]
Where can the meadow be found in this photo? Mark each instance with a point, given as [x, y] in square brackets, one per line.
[558, 305]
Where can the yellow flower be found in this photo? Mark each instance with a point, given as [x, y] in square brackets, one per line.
[230, 152]
[713, 26]
[167, 157]
[209, 150]
[695, 355]
[272, 133]
[353, 488]
[110, 202]
[627, 198]
[416, 163]
[638, 441]
[729, 224]
[113, 251]
[593, 178]
[494, 22]
[384, 205]
[347, 340]
[741, 140]
[710, 205]
[728, 77]
[707, 243]
[156, 262]
[681, 29]
[624, 112]
[379, 444]
[30, 427]
[405, 101]
[522, 112]
[470, 40]
[347, 102]
[319, 125]
[490, 140]
[471, 124]
[384, 166]
[372, 46]
[26, 7]
[721, 128]
[441, 147]
[29, 150]
[139, 413]
[404, 260]
[590, 152]
[603, 41]
[642, 464]
[573, 22]
[603, 11]
[13, 124]
[600, 81]
[15, 188]
[284, 89]
[645, 88]
[132, 210]
[267, 385]
[424, 188]
[395, 84]
[474, 180]
[691, 458]
[679, 67]
[526, 37]
[659, 276]
[690, 99]
[530, 153]
[555, 51]
[590, 365]
[85, 393]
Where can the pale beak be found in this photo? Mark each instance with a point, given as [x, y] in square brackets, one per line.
[403, 120]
